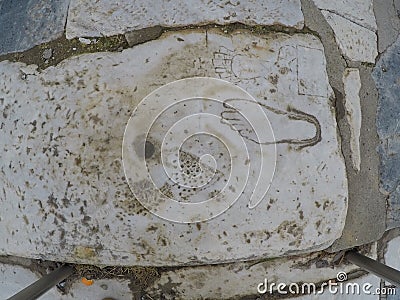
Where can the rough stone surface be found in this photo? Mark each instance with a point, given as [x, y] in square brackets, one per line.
[201, 108]
[359, 12]
[25, 24]
[203, 282]
[356, 42]
[354, 25]
[352, 85]
[386, 75]
[387, 18]
[88, 18]
[64, 193]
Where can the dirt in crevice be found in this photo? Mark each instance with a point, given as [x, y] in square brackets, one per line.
[54, 52]
[61, 49]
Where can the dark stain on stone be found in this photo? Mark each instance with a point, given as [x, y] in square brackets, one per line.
[86, 219]
[198, 225]
[152, 228]
[284, 70]
[51, 201]
[148, 149]
[318, 223]
[326, 204]
[339, 104]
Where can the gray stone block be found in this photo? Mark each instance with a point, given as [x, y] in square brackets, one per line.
[25, 24]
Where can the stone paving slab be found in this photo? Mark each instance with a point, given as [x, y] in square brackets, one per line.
[354, 26]
[25, 24]
[87, 18]
[386, 75]
[356, 42]
[367, 207]
[357, 11]
[64, 193]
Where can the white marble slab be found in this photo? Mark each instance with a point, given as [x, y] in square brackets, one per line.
[356, 42]
[62, 185]
[87, 18]
[357, 11]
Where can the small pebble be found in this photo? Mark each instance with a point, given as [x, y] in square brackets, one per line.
[47, 53]
[61, 284]
[85, 41]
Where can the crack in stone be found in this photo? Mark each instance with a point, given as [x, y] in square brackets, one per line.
[64, 48]
[348, 19]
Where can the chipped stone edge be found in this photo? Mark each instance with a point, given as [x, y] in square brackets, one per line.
[352, 86]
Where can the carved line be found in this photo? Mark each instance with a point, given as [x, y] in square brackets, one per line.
[292, 114]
